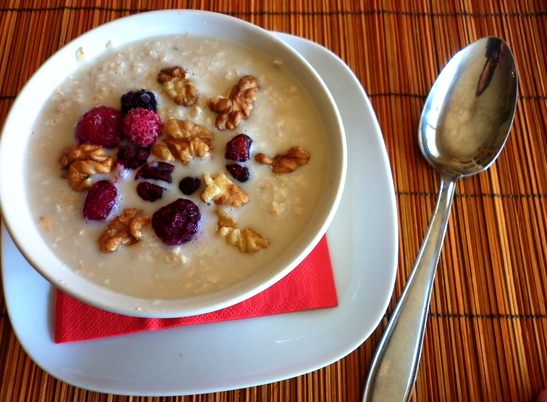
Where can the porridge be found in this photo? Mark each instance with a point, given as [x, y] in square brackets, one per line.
[217, 136]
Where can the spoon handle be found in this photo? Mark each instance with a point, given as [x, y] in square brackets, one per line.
[395, 364]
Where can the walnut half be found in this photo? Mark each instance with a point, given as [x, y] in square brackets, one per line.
[188, 141]
[287, 162]
[247, 240]
[186, 129]
[237, 105]
[177, 87]
[83, 161]
[123, 230]
[223, 191]
[187, 150]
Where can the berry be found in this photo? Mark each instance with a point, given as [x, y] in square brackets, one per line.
[101, 126]
[142, 127]
[99, 201]
[140, 98]
[238, 172]
[156, 171]
[238, 148]
[132, 158]
[177, 222]
[150, 192]
[189, 185]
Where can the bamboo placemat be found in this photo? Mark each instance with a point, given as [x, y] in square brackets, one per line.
[487, 333]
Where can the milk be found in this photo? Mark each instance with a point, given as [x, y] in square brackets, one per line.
[280, 206]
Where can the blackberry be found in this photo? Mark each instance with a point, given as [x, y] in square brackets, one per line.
[189, 185]
[140, 98]
[150, 192]
[99, 201]
[239, 148]
[156, 171]
[177, 222]
[238, 172]
[132, 158]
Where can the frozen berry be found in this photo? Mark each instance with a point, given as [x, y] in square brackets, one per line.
[239, 148]
[189, 185]
[177, 222]
[150, 192]
[142, 127]
[101, 126]
[238, 172]
[99, 201]
[140, 98]
[132, 158]
[156, 171]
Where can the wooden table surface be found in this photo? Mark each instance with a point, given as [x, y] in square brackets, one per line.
[487, 332]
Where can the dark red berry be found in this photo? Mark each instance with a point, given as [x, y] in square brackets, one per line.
[238, 172]
[189, 185]
[140, 98]
[156, 171]
[142, 127]
[132, 158]
[239, 148]
[150, 192]
[177, 222]
[99, 201]
[101, 126]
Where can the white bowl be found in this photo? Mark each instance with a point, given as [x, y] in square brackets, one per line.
[15, 205]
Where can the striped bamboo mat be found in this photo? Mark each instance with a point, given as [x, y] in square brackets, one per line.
[487, 334]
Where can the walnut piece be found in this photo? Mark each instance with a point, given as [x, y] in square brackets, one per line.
[188, 130]
[123, 230]
[177, 87]
[76, 152]
[161, 152]
[287, 162]
[247, 240]
[187, 150]
[188, 141]
[83, 161]
[223, 191]
[237, 105]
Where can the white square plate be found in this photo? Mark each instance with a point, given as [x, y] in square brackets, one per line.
[363, 243]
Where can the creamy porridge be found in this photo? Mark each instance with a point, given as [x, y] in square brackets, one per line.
[278, 205]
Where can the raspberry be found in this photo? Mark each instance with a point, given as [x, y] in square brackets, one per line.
[177, 222]
[99, 201]
[238, 148]
[142, 127]
[189, 185]
[150, 192]
[101, 126]
[238, 172]
[156, 171]
[132, 158]
[140, 98]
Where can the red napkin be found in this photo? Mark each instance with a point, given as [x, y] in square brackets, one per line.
[309, 286]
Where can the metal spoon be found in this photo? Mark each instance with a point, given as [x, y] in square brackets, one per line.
[464, 125]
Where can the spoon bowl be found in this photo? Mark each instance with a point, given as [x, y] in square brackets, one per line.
[464, 125]
[469, 111]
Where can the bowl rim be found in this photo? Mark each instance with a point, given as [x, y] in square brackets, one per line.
[108, 299]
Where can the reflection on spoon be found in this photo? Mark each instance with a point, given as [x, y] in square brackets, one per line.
[495, 49]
